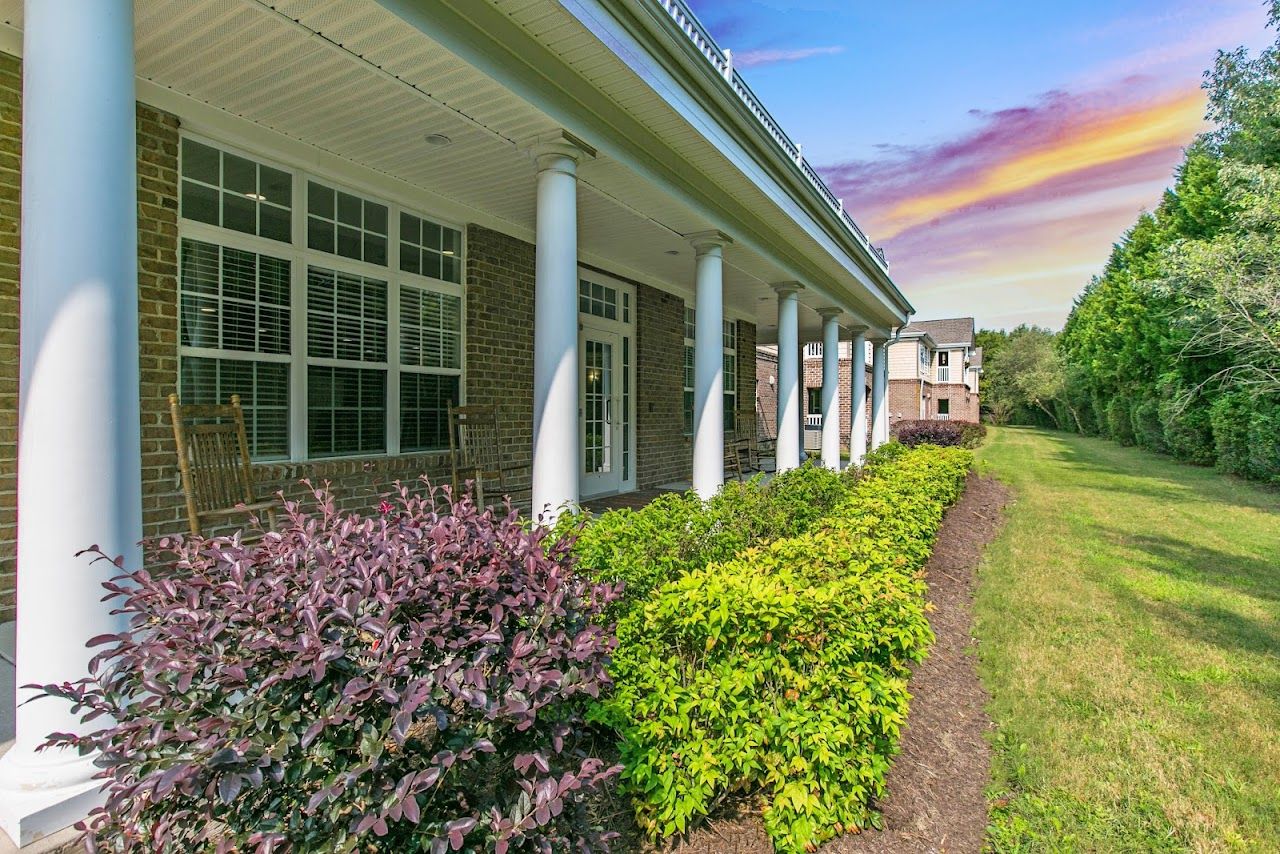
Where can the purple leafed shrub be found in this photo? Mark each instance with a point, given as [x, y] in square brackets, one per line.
[965, 434]
[407, 681]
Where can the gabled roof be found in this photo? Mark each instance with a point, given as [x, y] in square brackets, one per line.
[952, 330]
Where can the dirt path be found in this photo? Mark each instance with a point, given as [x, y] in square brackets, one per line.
[936, 801]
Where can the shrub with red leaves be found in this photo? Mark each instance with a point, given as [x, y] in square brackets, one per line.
[414, 680]
[947, 434]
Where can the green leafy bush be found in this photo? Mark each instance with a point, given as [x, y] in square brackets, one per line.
[1119, 422]
[783, 670]
[1264, 441]
[678, 532]
[1229, 416]
[1188, 431]
[1148, 431]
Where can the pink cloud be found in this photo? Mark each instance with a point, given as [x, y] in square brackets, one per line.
[1020, 212]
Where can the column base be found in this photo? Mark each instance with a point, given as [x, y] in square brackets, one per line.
[38, 800]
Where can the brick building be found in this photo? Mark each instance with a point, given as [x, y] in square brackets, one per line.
[351, 215]
[934, 371]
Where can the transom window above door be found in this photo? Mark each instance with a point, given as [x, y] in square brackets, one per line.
[334, 349]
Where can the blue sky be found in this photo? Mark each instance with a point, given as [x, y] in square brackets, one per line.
[996, 149]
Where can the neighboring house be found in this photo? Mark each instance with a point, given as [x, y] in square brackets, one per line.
[352, 214]
[934, 371]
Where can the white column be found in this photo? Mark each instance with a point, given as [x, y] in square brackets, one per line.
[557, 451]
[788, 442]
[879, 393]
[79, 454]
[708, 363]
[858, 396]
[830, 388]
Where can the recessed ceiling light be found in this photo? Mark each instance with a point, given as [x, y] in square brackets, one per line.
[673, 251]
[257, 197]
[437, 139]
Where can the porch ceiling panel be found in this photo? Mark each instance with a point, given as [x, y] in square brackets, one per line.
[351, 78]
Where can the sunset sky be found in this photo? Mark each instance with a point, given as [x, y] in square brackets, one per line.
[995, 149]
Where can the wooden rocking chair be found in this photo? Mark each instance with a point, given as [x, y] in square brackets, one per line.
[213, 457]
[475, 450]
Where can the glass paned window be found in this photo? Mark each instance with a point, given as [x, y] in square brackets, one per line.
[599, 300]
[346, 316]
[233, 300]
[730, 390]
[346, 225]
[430, 249]
[227, 190]
[346, 410]
[264, 395]
[424, 410]
[729, 348]
[814, 395]
[430, 329]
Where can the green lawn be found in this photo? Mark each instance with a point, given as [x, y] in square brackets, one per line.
[1129, 626]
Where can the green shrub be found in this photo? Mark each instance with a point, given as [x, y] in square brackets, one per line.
[1119, 424]
[1264, 441]
[677, 532]
[784, 669]
[973, 434]
[1230, 415]
[1148, 431]
[1188, 431]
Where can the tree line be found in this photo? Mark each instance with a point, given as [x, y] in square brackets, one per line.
[1176, 345]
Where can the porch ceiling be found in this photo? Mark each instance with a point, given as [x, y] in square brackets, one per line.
[351, 79]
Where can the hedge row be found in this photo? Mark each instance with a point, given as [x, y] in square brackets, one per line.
[783, 670]
[647, 547]
[946, 434]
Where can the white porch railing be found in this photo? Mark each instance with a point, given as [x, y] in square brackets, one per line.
[722, 60]
[813, 351]
[944, 373]
[942, 416]
[813, 421]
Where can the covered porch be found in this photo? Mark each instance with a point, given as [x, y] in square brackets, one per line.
[354, 213]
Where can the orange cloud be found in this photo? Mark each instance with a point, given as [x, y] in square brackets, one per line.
[1093, 141]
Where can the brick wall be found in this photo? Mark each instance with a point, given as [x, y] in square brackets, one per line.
[964, 404]
[767, 392]
[10, 160]
[746, 349]
[904, 400]
[500, 292]
[813, 379]
[664, 454]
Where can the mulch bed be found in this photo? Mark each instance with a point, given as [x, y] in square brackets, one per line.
[936, 801]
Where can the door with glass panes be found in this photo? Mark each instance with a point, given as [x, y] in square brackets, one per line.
[606, 384]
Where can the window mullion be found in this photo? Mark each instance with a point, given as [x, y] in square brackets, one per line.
[298, 332]
[393, 332]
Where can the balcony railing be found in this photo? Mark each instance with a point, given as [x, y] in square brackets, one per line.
[722, 61]
[812, 421]
[944, 373]
[813, 351]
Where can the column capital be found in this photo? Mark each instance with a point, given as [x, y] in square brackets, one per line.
[560, 151]
[830, 312]
[856, 329]
[786, 289]
[708, 241]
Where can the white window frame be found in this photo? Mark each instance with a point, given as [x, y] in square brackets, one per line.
[725, 351]
[300, 258]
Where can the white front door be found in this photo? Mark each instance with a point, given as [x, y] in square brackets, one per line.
[600, 386]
